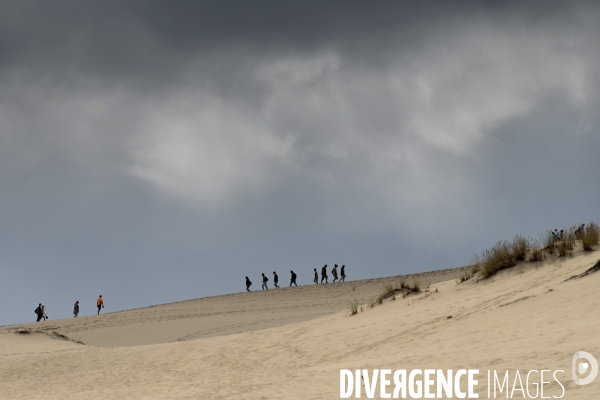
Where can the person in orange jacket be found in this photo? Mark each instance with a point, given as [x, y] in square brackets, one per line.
[100, 303]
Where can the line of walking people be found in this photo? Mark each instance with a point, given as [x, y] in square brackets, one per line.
[40, 311]
[324, 277]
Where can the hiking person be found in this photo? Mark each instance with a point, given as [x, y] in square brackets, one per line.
[248, 284]
[44, 312]
[324, 274]
[275, 279]
[76, 309]
[264, 281]
[343, 273]
[293, 280]
[334, 273]
[38, 312]
[100, 304]
[316, 280]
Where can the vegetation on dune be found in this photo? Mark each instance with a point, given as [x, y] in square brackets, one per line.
[503, 255]
[506, 254]
[354, 307]
[590, 237]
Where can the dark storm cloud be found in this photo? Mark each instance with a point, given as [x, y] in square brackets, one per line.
[156, 151]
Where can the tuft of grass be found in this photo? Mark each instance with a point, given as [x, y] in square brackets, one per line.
[497, 258]
[519, 247]
[372, 302]
[562, 249]
[549, 243]
[464, 277]
[416, 286]
[354, 307]
[590, 237]
[401, 284]
[537, 252]
[389, 289]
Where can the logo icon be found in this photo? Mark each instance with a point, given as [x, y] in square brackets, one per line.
[581, 367]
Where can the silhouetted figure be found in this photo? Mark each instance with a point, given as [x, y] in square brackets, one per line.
[38, 312]
[248, 284]
[293, 280]
[264, 282]
[316, 280]
[44, 312]
[334, 273]
[561, 236]
[275, 279]
[100, 304]
[343, 273]
[580, 232]
[76, 309]
[324, 274]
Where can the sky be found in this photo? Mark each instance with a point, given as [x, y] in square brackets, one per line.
[160, 151]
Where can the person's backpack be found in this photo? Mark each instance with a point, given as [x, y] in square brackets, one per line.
[37, 311]
[266, 279]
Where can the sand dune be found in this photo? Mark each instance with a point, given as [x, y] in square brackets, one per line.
[222, 315]
[524, 318]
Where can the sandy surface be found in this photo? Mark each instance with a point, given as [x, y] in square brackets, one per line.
[222, 315]
[525, 318]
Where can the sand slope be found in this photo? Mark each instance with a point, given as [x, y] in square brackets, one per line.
[222, 315]
[524, 318]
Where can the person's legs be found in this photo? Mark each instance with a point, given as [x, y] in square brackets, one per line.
[99, 307]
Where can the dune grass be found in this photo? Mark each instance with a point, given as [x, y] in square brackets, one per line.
[590, 237]
[354, 307]
[549, 243]
[536, 253]
[519, 247]
[507, 254]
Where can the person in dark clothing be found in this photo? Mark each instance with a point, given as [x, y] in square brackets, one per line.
[334, 273]
[264, 282]
[316, 280]
[293, 280]
[275, 279]
[343, 273]
[76, 309]
[39, 313]
[248, 284]
[324, 274]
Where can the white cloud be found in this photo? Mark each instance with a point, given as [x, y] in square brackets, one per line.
[203, 150]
